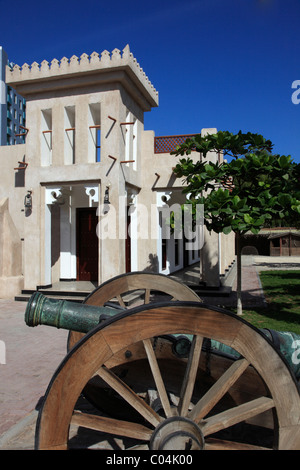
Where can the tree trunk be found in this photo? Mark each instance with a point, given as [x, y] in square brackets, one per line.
[239, 275]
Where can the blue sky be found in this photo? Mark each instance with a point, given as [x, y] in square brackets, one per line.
[228, 64]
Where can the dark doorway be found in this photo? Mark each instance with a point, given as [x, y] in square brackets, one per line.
[128, 242]
[87, 244]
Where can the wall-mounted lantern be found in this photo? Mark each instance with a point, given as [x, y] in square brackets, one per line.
[106, 202]
[106, 196]
[28, 200]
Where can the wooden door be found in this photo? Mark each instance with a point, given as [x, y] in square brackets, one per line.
[87, 245]
[285, 246]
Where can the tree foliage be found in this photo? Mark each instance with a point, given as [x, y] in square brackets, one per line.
[253, 189]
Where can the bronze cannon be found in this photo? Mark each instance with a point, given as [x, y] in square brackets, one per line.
[168, 374]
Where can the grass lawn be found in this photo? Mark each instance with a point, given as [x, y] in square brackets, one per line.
[282, 293]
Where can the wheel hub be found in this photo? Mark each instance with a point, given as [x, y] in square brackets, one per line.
[177, 433]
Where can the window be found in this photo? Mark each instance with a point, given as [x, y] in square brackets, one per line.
[69, 155]
[46, 137]
[127, 128]
[94, 137]
[98, 144]
[135, 142]
[131, 139]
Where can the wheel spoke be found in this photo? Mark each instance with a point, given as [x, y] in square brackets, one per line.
[157, 377]
[147, 296]
[218, 390]
[190, 376]
[219, 444]
[111, 426]
[129, 395]
[236, 415]
[121, 301]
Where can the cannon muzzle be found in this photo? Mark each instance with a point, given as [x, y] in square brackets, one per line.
[64, 314]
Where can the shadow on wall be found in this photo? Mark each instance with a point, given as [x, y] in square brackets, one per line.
[153, 264]
[209, 261]
[20, 174]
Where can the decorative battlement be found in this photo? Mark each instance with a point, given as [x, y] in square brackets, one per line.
[80, 65]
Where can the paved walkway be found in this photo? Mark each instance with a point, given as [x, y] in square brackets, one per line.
[252, 292]
[33, 354]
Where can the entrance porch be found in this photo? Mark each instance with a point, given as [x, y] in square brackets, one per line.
[71, 244]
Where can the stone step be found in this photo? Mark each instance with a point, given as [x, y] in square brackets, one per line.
[76, 296]
[212, 291]
[24, 297]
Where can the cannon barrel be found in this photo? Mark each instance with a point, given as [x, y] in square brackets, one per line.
[42, 310]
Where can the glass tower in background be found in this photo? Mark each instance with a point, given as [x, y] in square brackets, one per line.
[12, 109]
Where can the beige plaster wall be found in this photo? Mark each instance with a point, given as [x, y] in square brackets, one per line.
[13, 182]
[11, 278]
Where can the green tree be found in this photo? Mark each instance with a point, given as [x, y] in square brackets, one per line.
[253, 189]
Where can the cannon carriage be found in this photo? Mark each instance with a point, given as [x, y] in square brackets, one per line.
[167, 372]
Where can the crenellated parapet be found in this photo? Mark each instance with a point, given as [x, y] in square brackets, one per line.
[84, 65]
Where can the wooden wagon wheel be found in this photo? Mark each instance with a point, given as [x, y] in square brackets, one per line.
[192, 424]
[135, 285]
[140, 281]
[120, 291]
